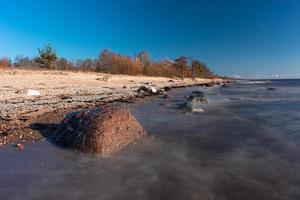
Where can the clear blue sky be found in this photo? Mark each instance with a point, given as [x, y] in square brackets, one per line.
[243, 37]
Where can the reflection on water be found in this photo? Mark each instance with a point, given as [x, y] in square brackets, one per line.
[246, 145]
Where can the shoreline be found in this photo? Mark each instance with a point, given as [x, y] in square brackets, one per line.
[23, 117]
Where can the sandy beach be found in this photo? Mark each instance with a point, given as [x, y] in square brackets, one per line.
[61, 92]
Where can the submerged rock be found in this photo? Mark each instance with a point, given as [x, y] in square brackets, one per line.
[19, 146]
[104, 131]
[194, 102]
[197, 96]
[225, 85]
[271, 89]
[166, 96]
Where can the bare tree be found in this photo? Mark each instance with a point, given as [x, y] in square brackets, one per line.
[62, 64]
[144, 57]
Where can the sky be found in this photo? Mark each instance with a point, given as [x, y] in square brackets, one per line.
[248, 38]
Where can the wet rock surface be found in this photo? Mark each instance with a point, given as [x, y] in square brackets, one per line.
[167, 88]
[197, 96]
[148, 89]
[103, 131]
[194, 102]
[225, 86]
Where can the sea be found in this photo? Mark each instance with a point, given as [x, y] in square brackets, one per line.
[244, 145]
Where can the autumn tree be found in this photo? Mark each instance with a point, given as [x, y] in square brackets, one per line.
[144, 57]
[62, 64]
[25, 62]
[181, 65]
[201, 70]
[47, 57]
[5, 63]
[105, 61]
[89, 64]
[125, 65]
[114, 63]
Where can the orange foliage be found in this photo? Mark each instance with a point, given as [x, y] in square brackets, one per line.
[5, 63]
[114, 63]
[125, 65]
[117, 64]
[166, 68]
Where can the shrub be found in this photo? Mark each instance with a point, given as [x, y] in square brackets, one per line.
[5, 63]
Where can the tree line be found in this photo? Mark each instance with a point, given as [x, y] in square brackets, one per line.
[113, 63]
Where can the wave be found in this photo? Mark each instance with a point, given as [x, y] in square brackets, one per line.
[253, 82]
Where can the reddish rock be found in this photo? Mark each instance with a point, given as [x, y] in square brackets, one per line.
[103, 131]
[19, 146]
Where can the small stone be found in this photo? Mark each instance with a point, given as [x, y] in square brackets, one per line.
[208, 85]
[19, 146]
[167, 88]
[147, 83]
[63, 97]
[225, 86]
[105, 78]
[31, 92]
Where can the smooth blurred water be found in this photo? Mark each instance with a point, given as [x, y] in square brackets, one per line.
[245, 145]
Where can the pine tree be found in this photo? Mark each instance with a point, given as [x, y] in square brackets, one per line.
[47, 57]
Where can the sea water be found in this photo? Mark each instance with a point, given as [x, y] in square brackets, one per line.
[245, 145]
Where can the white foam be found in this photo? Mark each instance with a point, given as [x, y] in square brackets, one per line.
[254, 82]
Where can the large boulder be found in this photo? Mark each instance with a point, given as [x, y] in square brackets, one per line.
[103, 131]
